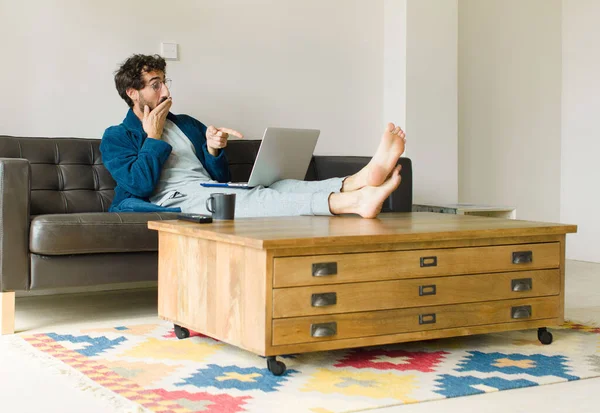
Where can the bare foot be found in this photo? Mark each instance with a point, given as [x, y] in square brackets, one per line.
[379, 169]
[389, 150]
[367, 201]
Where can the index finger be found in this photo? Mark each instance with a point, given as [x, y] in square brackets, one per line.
[231, 132]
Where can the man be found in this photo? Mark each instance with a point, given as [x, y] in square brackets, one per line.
[159, 159]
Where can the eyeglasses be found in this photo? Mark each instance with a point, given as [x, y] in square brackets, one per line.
[157, 86]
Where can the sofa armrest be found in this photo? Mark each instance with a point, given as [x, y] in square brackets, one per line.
[325, 167]
[14, 224]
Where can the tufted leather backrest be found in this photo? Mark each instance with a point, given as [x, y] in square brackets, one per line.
[67, 174]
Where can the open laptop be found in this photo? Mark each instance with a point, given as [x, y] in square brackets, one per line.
[283, 154]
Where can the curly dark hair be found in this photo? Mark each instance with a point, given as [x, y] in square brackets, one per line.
[130, 73]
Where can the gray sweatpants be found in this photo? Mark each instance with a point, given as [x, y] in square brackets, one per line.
[284, 198]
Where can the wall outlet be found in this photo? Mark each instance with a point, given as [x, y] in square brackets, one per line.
[169, 51]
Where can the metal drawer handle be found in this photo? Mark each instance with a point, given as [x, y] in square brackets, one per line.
[323, 300]
[428, 261]
[426, 318]
[522, 284]
[523, 311]
[522, 257]
[323, 329]
[427, 290]
[322, 269]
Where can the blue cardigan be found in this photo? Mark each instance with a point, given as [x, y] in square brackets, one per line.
[135, 162]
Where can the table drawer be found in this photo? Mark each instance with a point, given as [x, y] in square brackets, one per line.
[383, 295]
[343, 326]
[343, 268]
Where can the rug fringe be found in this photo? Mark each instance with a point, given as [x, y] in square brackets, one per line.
[589, 323]
[79, 380]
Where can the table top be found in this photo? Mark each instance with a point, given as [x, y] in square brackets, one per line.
[314, 231]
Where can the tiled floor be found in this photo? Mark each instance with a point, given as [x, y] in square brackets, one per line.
[27, 387]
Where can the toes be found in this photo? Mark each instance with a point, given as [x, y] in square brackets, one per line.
[396, 178]
[398, 131]
[395, 130]
[395, 175]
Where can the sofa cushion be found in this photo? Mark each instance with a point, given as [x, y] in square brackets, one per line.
[93, 233]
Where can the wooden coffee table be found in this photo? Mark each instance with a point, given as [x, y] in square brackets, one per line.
[277, 286]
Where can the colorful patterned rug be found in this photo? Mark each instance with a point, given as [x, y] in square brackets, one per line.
[148, 365]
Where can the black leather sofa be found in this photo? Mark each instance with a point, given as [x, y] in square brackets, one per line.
[55, 230]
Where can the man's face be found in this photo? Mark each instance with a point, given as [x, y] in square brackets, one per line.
[154, 92]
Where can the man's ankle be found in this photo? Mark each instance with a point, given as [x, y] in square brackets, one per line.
[352, 183]
[342, 203]
[346, 183]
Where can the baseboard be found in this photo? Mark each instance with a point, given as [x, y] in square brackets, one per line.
[89, 289]
[585, 262]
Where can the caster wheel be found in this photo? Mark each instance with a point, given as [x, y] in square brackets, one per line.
[181, 332]
[274, 366]
[544, 336]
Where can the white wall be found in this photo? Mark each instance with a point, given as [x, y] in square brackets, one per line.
[580, 174]
[337, 65]
[246, 65]
[510, 105]
[431, 99]
[394, 61]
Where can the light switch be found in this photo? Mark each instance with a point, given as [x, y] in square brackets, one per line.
[169, 51]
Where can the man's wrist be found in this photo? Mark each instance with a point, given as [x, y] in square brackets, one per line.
[154, 134]
[212, 151]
